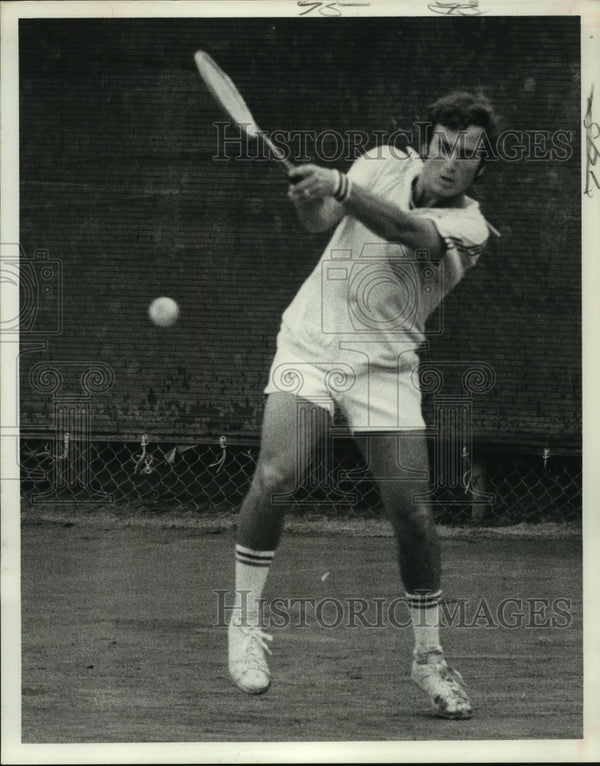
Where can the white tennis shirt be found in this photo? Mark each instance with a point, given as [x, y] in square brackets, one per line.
[368, 293]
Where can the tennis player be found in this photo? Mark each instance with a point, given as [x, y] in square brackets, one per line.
[404, 234]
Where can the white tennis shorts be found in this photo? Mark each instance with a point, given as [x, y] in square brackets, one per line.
[371, 397]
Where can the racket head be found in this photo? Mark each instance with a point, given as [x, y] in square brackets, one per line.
[225, 93]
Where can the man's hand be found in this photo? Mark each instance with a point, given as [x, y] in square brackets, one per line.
[311, 183]
[311, 190]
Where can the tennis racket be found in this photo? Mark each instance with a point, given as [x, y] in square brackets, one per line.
[225, 93]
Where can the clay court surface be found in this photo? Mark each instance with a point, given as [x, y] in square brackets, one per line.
[119, 642]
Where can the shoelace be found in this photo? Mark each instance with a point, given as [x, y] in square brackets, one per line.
[454, 678]
[254, 639]
[452, 675]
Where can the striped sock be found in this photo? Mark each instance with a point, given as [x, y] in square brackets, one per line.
[251, 570]
[424, 613]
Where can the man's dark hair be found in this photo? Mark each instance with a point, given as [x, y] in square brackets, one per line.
[459, 109]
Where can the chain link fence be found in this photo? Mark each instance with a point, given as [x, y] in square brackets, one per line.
[493, 486]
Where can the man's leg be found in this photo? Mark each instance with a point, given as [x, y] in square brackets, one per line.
[400, 465]
[260, 522]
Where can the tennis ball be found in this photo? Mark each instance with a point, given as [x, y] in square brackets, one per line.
[163, 311]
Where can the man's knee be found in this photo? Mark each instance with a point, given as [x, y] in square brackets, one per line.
[275, 475]
[408, 501]
[409, 492]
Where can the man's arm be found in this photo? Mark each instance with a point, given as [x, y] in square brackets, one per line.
[318, 215]
[395, 225]
[312, 192]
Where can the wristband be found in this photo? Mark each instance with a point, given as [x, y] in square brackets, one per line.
[338, 185]
[344, 188]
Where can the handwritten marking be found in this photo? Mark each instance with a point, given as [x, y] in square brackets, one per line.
[326, 9]
[592, 132]
[312, 5]
[468, 8]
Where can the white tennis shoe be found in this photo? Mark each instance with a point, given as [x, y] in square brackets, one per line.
[247, 664]
[443, 685]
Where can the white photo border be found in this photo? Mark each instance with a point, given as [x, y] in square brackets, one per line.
[13, 752]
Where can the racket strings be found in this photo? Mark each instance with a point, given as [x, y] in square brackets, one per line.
[225, 92]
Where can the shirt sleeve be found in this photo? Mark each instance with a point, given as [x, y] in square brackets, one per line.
[370, 165]
[464, 231]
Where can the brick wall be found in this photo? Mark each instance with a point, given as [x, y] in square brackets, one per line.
[119, 184]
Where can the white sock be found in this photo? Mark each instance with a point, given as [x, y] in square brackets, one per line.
[251, 570]
[425, 616]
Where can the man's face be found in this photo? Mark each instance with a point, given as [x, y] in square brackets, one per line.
[452, 161]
